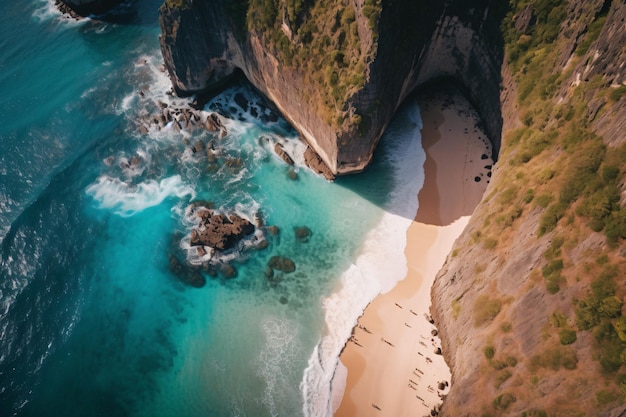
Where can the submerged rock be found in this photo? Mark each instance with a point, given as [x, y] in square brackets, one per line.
[273, 230]
[186, 274]
[292, 174]
[303, 234]
[228, 271]
[282, 263]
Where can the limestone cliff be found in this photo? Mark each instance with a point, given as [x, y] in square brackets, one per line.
[530, 303]
[337, 75]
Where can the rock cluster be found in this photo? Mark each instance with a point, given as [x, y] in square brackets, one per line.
[220, 232]
[181, 118]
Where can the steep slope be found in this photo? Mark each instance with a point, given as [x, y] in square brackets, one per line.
[530, 303]
[337, 70]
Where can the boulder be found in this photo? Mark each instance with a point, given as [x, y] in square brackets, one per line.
[280, 151]
[303, 234]
[292, 174]
[273, 230]
[228, 271]
[282, 263]
[213, 123]
[314, 161]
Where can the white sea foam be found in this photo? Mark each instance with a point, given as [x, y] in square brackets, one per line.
[276, 357]
[126, 199]
[379, 266]
[47, 10]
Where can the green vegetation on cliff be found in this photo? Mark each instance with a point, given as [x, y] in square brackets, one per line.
[557, 169]
[326, 41]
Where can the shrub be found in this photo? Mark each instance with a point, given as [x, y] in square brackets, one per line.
[555, 248]
[567, 336]
[485, 309]
[593, 31]
[503, 401]
[610, 307]
[499, 364]
[620, 328]
[490, 243]
[604, 397]
[558, 319]
[555, 358]
[502, 377]
[586, 315]
[617, 93]
[489, 352]
[543, 200]
[551, 217]
[553, 267]
[534, 413]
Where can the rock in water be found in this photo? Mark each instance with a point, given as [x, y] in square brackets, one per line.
[280, 151]
[228, 271]
[186, 274]
[313, 161]
[303, 234]
[282, 263]
[213, 123]
[220, 232]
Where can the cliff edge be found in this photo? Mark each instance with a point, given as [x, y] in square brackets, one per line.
[337, 71]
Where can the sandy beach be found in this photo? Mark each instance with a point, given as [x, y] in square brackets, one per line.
[393, 359]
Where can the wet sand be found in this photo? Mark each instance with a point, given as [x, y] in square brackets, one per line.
[393, 360]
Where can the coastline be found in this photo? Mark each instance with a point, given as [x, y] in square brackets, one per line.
[393, 362]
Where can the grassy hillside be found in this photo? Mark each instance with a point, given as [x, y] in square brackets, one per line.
[555, 169]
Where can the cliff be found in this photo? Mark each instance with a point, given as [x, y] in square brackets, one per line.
[337, 71]
[530, 303]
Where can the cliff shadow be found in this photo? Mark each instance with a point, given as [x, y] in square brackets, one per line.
[464, 54]
[447, 159]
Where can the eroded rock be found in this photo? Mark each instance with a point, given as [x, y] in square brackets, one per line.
[219, 231]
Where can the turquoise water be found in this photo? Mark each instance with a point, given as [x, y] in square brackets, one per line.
[92, 321]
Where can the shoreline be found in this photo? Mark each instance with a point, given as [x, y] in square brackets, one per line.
[393, 362]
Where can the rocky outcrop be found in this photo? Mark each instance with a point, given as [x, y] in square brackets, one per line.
[220, 232]
[87, 7]
[411, 43]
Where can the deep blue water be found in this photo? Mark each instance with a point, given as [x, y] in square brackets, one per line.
[92, 320]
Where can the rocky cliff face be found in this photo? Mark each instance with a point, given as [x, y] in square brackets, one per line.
[406, 44]
[519, 300]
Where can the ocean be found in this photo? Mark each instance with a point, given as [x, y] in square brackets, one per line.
[95, 197]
